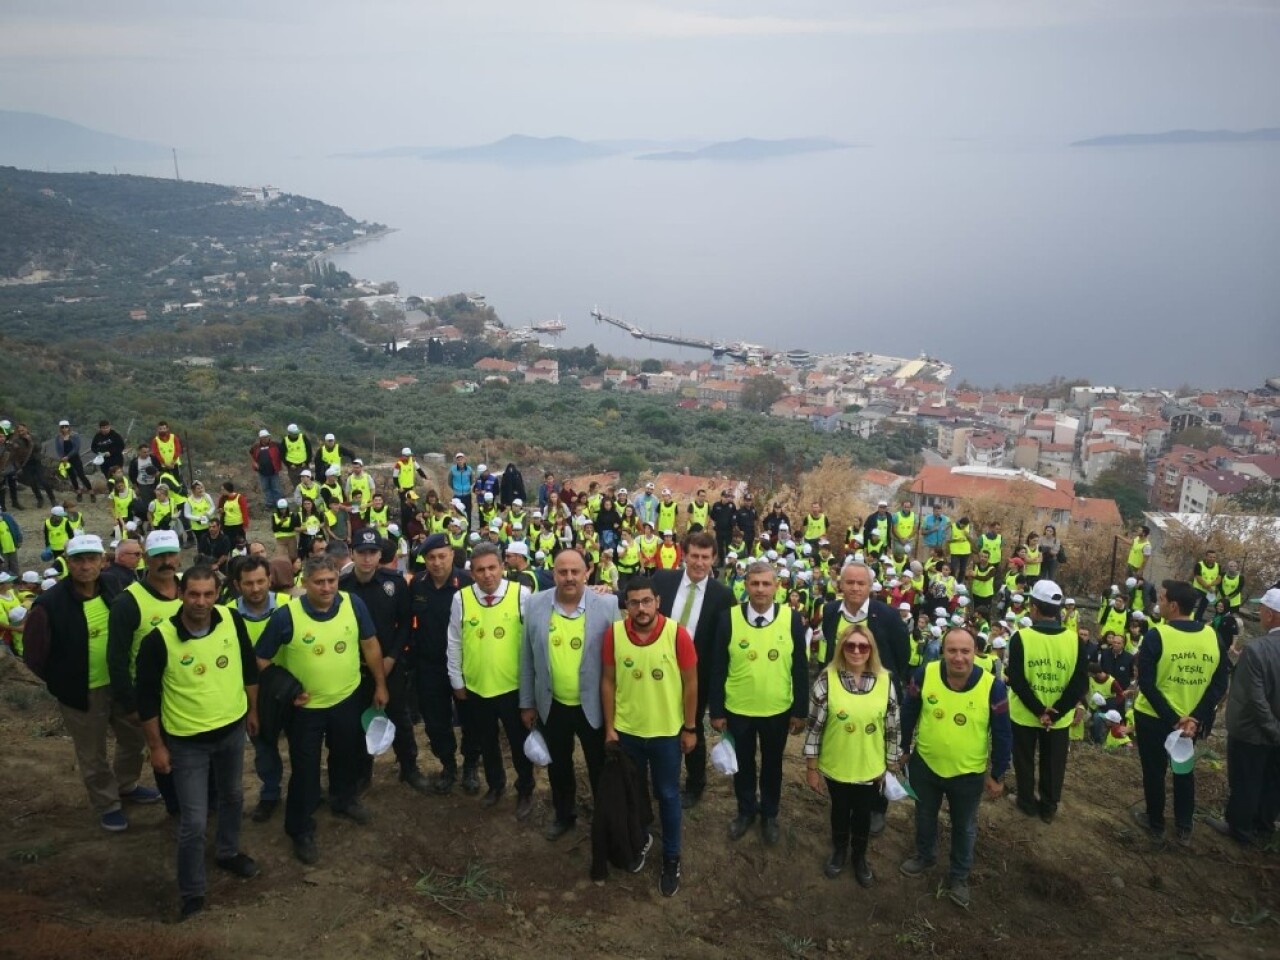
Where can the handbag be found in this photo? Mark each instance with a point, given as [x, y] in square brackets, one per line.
[1062, 554]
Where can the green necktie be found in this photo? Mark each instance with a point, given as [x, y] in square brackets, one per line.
[689, 596]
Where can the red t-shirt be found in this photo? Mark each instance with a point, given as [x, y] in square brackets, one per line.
[686, 654]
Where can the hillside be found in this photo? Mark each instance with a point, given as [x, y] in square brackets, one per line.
[40, 141]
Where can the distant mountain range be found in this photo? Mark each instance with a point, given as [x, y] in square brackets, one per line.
[39, 142]
[1182, 137]
[749, 148]
[519, 149]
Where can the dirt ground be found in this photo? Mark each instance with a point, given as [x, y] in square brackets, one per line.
[1087, 884]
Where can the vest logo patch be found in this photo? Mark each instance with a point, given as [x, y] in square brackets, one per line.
[199, 671]
[743, 644]
[318, 649]
[842, 715]
[960, 719]
[628, 663]
[939, 714]
[555, 641]
[637, 674]
[933, 700]
[657, 673]
[576, 643]
[870, 728]
[480, 633]
[155, 621]
[222, 663]
[309, 639]
[499, 633]
[188, 660]
[340, 647]
[773, 654]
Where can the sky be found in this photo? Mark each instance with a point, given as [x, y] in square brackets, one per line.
[287, 77]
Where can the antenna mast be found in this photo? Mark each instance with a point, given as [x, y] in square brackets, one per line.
[176, 175]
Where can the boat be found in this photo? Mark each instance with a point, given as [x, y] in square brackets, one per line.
[550, 326]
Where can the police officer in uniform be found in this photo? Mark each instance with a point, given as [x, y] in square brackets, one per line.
[325, 633]
[759, 676]
[1047, 677]
[386, 595]
[197, 698]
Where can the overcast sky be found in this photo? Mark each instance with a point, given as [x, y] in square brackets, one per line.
[285, 76]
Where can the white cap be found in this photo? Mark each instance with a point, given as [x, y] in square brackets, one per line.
[48, 583]
[668, 533]
[330, 436]
[893, 582]
[784, 525]
[482, 468]
[333, 471]
[474, 537]
[541, 555]
[1018, 598]
[1024, 622]
[6, 576]
[999, 643]
[457, 504]
[517, 525]
[1069, 602]
[263, 433]
[1046, 591]
[961, 589]
[31, 577]
[622, 491]
[406, 452]
[282, 504]
[5, 424]
[357, 460]
[488, 496]
[939, 611]
[305, 473]
[875, 587]
[904, 606]
[393, 529]
[666, 492]
[459, 455]
[536, 515]
[64, 423]
[456, 522]
[1112, 716]
[741, 565]
[649, 485]
[84, 543]
[957, 620]
[1137, 615]
[807, 550]
[59, 511]
[162, 541]
[1114, 590]
[883, 503]
[1270, 600]
[291, 428]
[936, 630]
[962, 601]
[731, 555]
[131, 525]
[17, 615]
[519, 548]
[517, 502]
[772, 555]
[1131, 582]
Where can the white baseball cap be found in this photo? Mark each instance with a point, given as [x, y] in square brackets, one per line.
[330, 436]
[334, 471]
[58, 511]
[519, 548]
[406, 452]
[1113, 716]
[84, 543]
[282, 504]
[305, 473]
[64, 423]
[483, 467]
[459, 455]
[31, 577]
[162, 541]
[291, 428]
[48, 583]
[517, 502]
[904, 606]
[1271, 599]
[1046, 591]
[263, 433]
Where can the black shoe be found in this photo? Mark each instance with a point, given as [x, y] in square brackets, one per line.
[689, 799]
[470, 781]
[263, 811]
[444, 781]
[414, 778]
[1183, 836]
[492, 797]
[740, 824]
[1029, 807]
[639, 862]
[557, 829]
[356, 812]
[1141, 819]
[305, 849]
[861, 872]
[769, 831]
[241, 865]
[524, 806]
[363, 785]
[835, 864]
[669, 880]
[1048, 813]
[877, 824]
[191, 906]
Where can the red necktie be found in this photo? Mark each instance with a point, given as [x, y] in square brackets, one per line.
[490, 600]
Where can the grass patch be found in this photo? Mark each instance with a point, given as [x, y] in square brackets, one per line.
[475, 884]
[796, 946]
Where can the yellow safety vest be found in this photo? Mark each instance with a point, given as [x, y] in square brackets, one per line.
[330, 456]
[649, 695]
[167, 450]
[699, 514]
[380, 519]
[815, 527]
[984, 586]
[295, 451]
[1048, 662]
[203, 684]
[325, 654]
[959, 545]
[904, 525]
[667, 557]
[232, 515]
[152, 611]
[667, 515]
[1231, 590]
[758, 683]
[491, 643]
[201, 511]
[993, 547]
[405, 474]
[566, 637]
[57, 532]
[1137, 556]
[282, 524]
[853, 738]
[1188, 660]
[952, 734]
[361, 482]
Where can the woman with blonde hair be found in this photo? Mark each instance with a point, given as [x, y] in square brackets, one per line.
[852, 740]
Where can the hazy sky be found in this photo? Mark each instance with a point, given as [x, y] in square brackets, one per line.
[286, 76]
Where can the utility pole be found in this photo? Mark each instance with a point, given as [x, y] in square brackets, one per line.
[176, 175]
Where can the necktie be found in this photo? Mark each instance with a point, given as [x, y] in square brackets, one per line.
[687, 609]
[760, 620]
[490, 600]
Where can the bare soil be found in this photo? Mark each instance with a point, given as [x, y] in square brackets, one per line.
[1087, 884]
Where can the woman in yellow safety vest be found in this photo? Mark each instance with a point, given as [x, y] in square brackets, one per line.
[851, 743]
[311, 526]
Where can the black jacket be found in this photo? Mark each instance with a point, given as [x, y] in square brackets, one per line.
[387, 597]
[511, 486]
[277, 689]
[56, 642]
[891, 634]
[623, 813]
[717, 600]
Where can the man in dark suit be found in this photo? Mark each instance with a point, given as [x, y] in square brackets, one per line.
[695, 599]
[892, 639]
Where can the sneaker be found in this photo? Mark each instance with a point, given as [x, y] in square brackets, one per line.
[242, 865]
[669, 880]
[958, 892]
[356, 812]
[141, 795]
[190, 907]
[835, 865]
[915, 867]
[639, 864]
[470, 781]
[305, 849]
[114, 821]
[265, 808]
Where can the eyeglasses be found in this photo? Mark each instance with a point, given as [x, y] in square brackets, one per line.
[642, 602]
[858, 646]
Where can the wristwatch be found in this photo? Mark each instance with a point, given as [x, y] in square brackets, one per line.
[688, 729]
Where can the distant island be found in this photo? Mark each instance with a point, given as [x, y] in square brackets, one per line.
[1266, 134]
[749, 148]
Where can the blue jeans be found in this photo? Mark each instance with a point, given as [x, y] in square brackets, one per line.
[963, 794]
[271, 492]
[268, 766]
[192, 764]
[661, 757]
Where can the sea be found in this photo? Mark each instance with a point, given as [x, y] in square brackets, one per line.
[1015, 262]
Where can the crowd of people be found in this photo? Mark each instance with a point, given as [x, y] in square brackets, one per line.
[917, 655]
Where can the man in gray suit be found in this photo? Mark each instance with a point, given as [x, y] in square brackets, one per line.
[560, 664]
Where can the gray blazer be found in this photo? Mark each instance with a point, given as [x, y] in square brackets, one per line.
[535, 667]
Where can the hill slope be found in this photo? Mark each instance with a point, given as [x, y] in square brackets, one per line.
[38, 140]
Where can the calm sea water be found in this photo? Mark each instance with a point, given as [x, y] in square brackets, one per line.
[1154, 265]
